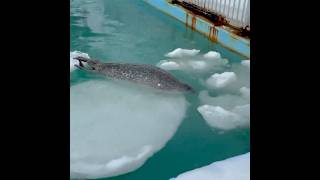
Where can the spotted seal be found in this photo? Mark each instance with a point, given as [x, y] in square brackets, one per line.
[138, 73]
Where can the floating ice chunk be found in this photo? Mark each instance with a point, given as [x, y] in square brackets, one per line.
[191, 65]
[244, 111]
[227, 101]
[218, 117]
[109, 122]
[221, 80]
[212, 55]
[245, 92]
[235, 168]
[215, 59]
[225, 111]
[168, 65]
[198, 65]
[74, 61]
[179, 53]
[246, 63]
[186, 60]
[219, 62]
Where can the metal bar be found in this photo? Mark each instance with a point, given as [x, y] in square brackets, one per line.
[227, 10]
[216, 6]
[238, 9]
[246, 13]
[233, 9]
[212, 5]
[220, 6]
[224, 7]
[242, 12]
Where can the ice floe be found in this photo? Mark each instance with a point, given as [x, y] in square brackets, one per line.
[212, 55]
[245, 92]
[235, 168]
[246, 63]
[179, 53]
[221, 80]
[115, 128]
[225, 112]
[189, 60]
[169, 65]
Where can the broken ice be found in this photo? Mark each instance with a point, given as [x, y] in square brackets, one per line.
[179, 53]
[235, 168]
[116, 127]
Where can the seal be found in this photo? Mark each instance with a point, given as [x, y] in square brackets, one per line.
[138, 73]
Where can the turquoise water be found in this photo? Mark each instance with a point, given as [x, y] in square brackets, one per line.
[133, 31]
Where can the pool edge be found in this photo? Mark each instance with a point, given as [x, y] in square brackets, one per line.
[214, 33]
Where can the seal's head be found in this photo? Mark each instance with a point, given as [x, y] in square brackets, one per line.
[91, 65]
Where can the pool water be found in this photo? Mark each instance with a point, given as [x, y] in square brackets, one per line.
[134, 32]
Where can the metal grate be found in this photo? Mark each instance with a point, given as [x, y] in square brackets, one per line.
[237, 12]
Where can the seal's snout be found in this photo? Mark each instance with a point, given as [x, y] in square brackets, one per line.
[79, 58]
[90, 65]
